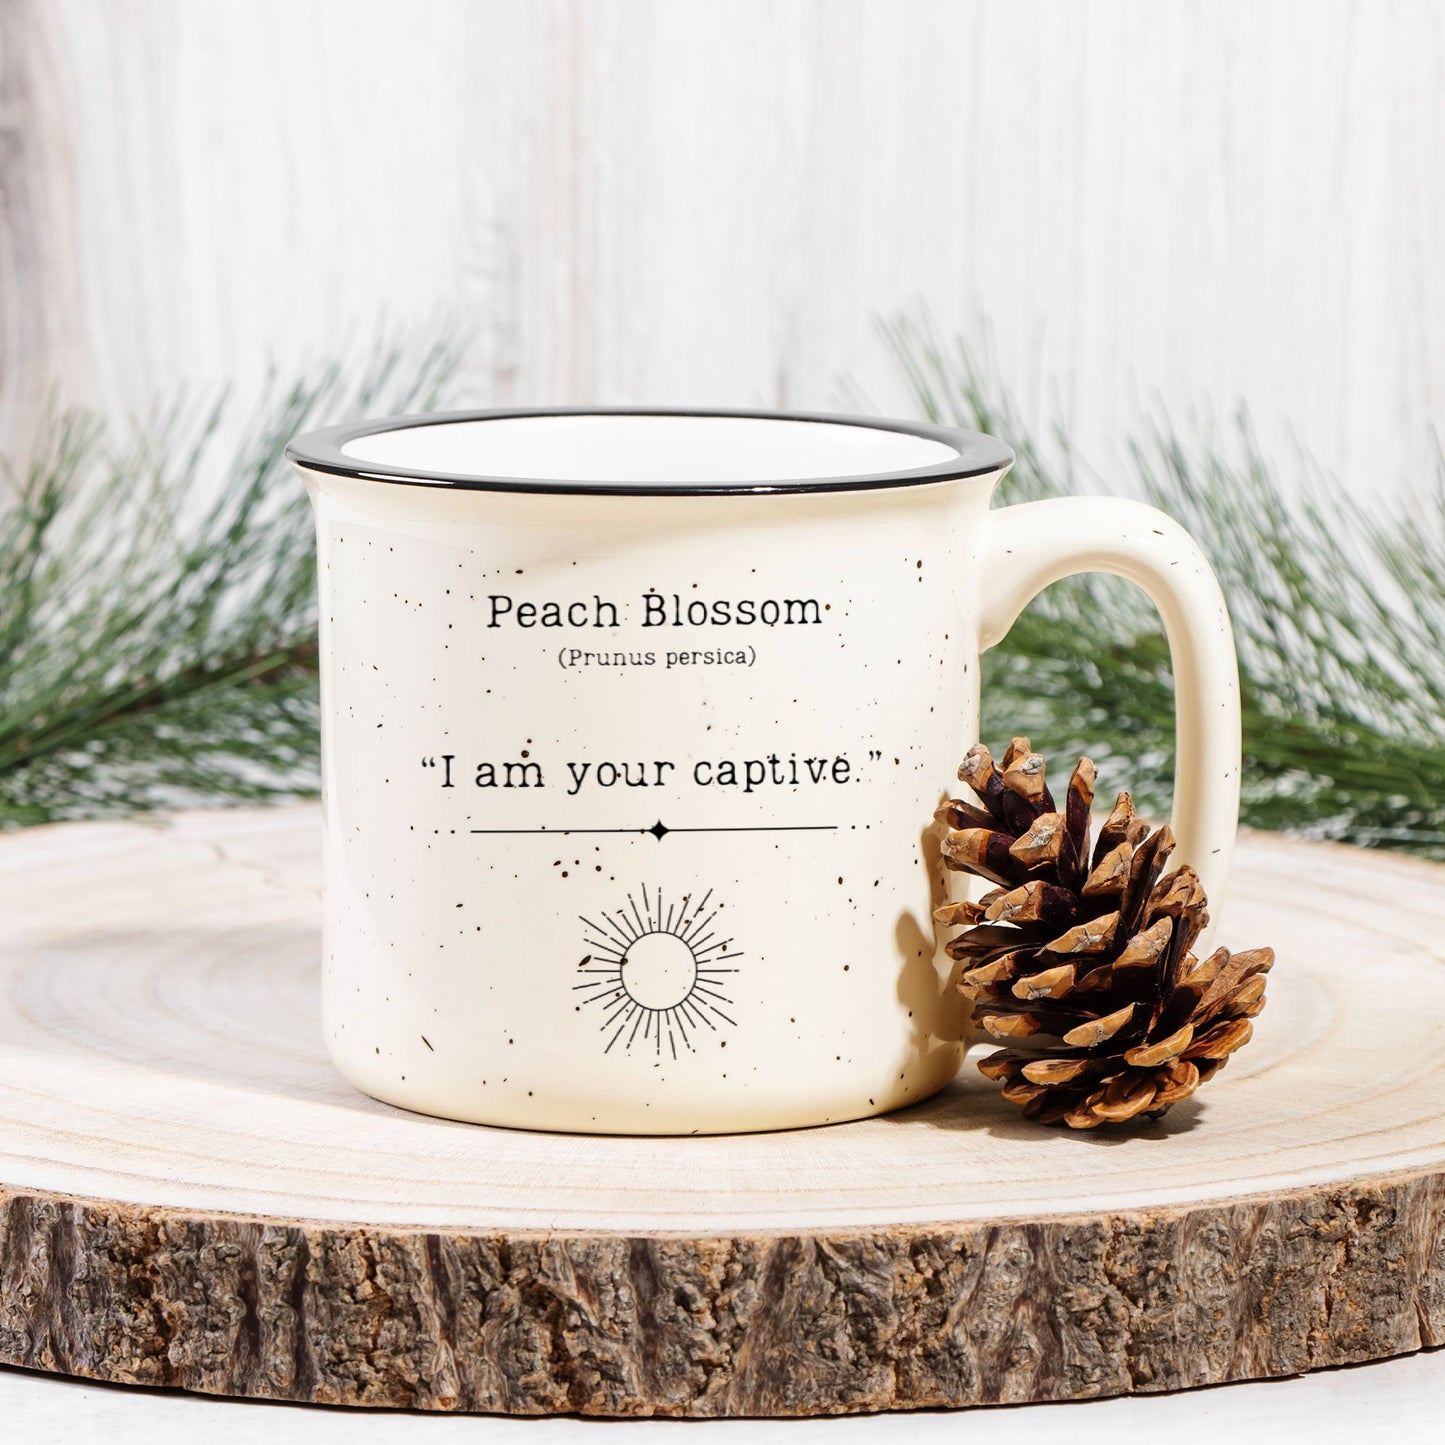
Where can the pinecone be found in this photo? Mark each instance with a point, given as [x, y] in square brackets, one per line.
[1087, 955]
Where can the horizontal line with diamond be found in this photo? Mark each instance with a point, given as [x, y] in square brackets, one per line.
[659, 829]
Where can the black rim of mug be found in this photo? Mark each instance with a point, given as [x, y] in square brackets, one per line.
[323, 451]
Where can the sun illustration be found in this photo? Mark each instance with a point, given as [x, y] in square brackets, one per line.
[656, 973]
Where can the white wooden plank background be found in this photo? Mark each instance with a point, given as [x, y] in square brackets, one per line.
[1188, 203]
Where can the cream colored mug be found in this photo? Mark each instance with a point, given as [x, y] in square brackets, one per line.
[634, 725]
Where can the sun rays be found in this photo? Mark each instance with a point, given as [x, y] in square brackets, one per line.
[656, 972]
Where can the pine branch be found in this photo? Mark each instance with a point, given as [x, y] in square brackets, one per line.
[153, 653]
[152, 656]
[1339, 615]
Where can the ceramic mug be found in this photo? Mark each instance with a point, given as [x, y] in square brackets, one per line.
[634, 726]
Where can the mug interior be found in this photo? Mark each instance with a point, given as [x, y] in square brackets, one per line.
[650, 449]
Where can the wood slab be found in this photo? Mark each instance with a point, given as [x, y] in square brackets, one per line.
[189, 1196]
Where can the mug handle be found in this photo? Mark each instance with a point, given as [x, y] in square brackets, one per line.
[1031, 544]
